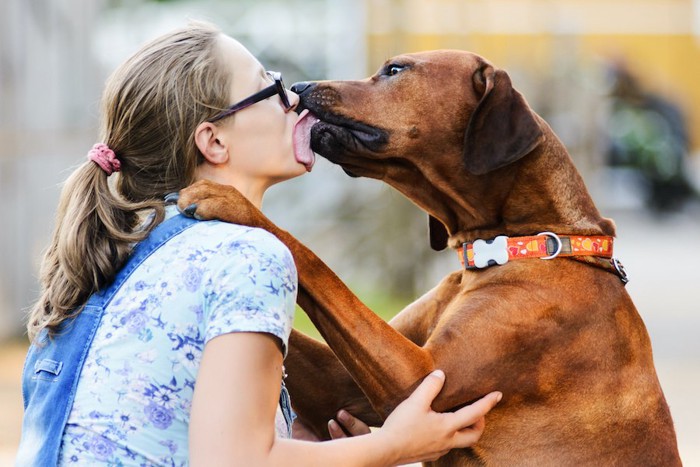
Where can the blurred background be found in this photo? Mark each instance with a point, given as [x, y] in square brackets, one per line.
[618, 80]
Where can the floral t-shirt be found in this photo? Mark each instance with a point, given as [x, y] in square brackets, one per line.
[133, 398]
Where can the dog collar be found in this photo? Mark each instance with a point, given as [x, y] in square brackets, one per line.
[594, 250]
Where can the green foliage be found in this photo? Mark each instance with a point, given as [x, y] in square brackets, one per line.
[383, 304]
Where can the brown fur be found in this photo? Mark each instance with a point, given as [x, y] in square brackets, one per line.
[561, 339]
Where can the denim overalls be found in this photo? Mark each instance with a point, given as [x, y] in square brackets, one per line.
[52, 367]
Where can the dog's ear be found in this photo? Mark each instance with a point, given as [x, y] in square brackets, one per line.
[502, 128]
[438, 234]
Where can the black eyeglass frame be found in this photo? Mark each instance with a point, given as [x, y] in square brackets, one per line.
[275, 88]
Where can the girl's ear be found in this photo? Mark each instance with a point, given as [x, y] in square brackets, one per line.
[206, 137]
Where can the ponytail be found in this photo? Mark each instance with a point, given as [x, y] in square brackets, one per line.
[95, 230]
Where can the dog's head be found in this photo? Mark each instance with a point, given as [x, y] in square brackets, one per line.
[426, 120]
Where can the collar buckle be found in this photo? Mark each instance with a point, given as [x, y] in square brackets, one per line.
[621, 271]
[485, 253]
[558, 248]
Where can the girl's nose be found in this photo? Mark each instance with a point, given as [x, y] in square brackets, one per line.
[293, 100]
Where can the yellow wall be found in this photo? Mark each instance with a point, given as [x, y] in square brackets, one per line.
[654, 37]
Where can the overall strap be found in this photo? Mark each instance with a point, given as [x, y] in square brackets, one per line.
[158, 236]
[53, 365]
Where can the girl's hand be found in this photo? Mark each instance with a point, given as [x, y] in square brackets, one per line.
[420, 434]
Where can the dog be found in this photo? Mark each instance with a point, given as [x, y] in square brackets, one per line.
[538, 309]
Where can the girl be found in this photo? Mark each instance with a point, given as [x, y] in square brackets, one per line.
[158, 339]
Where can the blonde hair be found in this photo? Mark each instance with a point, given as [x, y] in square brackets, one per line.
[151, 106]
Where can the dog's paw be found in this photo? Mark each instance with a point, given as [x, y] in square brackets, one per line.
[189, 211]
[205, 200]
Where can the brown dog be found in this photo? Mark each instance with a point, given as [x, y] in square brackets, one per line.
[560, 338]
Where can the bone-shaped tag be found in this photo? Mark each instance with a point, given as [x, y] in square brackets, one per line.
[495, 250]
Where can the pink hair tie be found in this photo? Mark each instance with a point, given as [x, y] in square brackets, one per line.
[101, 155]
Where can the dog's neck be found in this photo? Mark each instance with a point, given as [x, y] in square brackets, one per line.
[543, 192]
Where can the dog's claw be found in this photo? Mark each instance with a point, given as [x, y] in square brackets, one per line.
[171, 198]
[190, 210]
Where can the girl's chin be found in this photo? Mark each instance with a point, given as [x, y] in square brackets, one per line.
[298, 169]
[298, 173]
[294, 172]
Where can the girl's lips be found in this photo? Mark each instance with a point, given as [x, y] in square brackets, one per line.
[302, 139]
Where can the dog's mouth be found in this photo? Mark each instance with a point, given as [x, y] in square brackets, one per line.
[341, 140]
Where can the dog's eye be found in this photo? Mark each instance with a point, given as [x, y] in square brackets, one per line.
[392, 70]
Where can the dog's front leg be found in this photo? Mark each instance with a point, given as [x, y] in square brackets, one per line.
[385, 364]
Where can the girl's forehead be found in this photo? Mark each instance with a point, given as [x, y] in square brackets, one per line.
[235, 54]
[246, 71]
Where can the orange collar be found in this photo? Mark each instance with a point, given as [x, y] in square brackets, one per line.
[481, 254]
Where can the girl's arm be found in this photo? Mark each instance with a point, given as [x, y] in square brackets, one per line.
[236, 398]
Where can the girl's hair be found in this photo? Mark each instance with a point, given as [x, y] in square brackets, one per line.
[151, 106]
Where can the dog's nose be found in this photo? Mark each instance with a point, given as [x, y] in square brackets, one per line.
[301, 86]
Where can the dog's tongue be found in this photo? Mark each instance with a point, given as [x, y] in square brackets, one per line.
[302, 139]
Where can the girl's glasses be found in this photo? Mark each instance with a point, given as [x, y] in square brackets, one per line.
[276, 88]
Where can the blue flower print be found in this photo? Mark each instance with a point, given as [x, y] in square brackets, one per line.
[172, 447]
[159, 416]
[192, 278]
[191, 356]
[288, 276]
[273, 290]
[197, 310]
[125, 420]
[162, 395]
[135, 321]
[101, 447]
[96, 415]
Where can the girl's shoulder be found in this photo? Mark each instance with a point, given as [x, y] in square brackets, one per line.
[237, 239]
